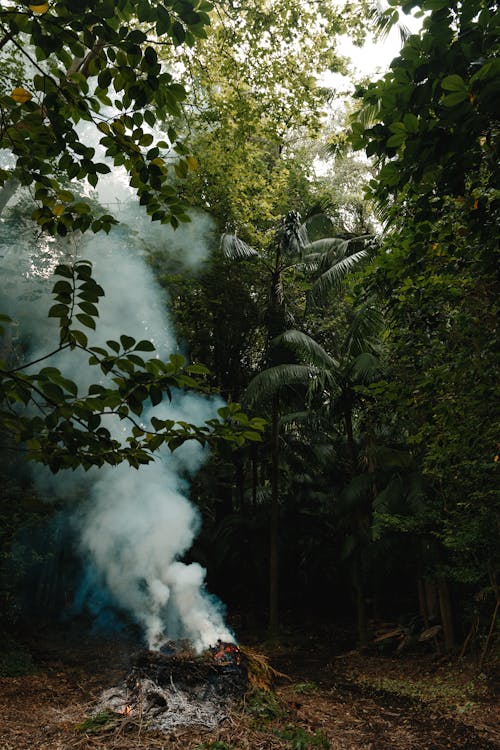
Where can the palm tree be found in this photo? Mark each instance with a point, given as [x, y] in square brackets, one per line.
[330, 260]
[329, 386]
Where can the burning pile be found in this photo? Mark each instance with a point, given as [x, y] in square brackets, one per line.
[179, 689]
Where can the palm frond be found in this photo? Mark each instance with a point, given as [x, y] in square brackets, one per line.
[269, 382]
[325, 454]
[389, 495]
[367, 325]
[233, 247]
[279, 291]
[335, 245]
[367, 115]
[306, 348]
[332, 279]
[365, 368]
[293, 234]
[384, 19]
[311, 262]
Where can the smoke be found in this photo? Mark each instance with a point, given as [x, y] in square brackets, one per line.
[133, 526]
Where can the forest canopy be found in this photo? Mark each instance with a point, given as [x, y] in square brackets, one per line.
[347, 298]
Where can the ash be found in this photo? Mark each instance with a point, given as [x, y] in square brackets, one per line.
[179, 690]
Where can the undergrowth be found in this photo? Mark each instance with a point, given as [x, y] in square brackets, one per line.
[96, 723]
[264, 705]
[301, 740]
[15, 659]
[306, 688]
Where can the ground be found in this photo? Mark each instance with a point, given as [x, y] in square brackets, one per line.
[339, 701]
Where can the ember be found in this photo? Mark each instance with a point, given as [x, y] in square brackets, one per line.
[125, 711]
[227, 655]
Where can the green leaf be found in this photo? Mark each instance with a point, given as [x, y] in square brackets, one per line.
[63, 270]
[127, 342]
[451, 100]
[79, 337]
[53, 392]
[62, 287]
[86, 320]
[396, 140]
[156, 395]
[144, 346]
[453, 83]
[58, 311]
[89, 308]
[410, 122]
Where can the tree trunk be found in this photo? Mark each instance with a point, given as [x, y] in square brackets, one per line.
[422, 602]
[446, 611]
[274, 524]
[361, 613]
[357, 568]
[239, 471]
[255, 476]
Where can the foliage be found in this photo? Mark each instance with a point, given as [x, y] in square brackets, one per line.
[435, 122]
[301, 740]
[306, 688]
[264, 705]
[65, 429]
[432, 126]
[94, 724]
[93, 64]
[99, 70]
[254, 97]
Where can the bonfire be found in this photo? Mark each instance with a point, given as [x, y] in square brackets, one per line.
[179, 688]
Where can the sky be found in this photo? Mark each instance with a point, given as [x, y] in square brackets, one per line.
[376, 57]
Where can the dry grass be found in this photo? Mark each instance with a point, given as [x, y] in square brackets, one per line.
[327, 704]
[261, 675]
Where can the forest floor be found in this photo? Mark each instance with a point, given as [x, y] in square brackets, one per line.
[342, 702]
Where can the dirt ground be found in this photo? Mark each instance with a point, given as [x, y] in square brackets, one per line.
[346, 702]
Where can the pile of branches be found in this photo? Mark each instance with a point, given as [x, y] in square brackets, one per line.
[181, 689]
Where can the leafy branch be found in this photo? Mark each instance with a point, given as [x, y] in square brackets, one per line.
[68, 429]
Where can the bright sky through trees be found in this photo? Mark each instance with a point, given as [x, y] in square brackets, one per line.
[377, 55]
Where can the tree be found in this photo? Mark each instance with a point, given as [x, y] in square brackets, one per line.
[432, 126]
[254, 96]
[289, 253]
[65, 429]
[77, 58]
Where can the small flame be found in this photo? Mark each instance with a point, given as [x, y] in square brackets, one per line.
[227, 653]
[126, 710]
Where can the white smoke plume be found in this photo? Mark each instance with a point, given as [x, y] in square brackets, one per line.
[133, 526]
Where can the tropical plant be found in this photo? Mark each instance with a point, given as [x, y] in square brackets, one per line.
[431, 124]
[330, 259]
